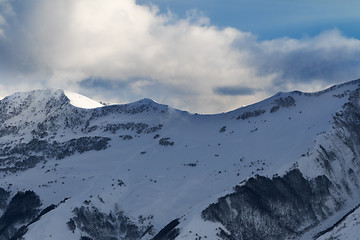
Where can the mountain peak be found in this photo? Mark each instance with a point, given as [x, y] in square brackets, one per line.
[34, 99]
[147, 102]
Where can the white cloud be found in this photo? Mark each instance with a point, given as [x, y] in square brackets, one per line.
[175, 61]
[121, 40]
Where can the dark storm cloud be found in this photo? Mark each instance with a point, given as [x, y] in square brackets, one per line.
[326, 59]
[329, 58]
[18, 54]
[235, 91]
[102, 83]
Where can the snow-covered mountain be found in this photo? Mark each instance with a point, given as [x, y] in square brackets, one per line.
[284, 168]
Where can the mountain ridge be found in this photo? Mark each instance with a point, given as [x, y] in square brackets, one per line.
[148, 101]
[140, 169]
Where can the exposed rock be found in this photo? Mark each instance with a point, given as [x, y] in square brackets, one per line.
[166, 142]
[23, 207]
[169, 232]
[4, 195]
[283, 102]
[223, 129]
[102, 226]
[252, 114]
[266, 208]
[26, 155]
[138, 127]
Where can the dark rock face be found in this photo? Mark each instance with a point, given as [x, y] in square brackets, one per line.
[223, 129]
[169, 232]
[102, 226]
[272, 208]
[138, 127]
[4, 195]
[24, 228]
[22, 209]
[26, 155]
[283, 102]
[166, 142]
[252, 114]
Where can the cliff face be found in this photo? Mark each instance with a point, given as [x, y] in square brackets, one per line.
[274, 208]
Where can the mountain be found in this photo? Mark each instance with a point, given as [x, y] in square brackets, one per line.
[284, 168]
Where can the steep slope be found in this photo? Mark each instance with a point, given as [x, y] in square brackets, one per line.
[147, 171]
[316, 191]
[345, 228]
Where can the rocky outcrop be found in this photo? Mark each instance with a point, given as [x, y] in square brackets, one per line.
[26, 155]
[101, 226]
[22, 209]
[252, 114]
[169, 232]
[266, 208]
[286, 102]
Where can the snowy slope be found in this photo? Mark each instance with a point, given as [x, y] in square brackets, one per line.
[137, 167]
[347, 229]
[81, 101]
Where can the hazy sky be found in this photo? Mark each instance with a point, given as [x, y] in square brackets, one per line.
[203, 56]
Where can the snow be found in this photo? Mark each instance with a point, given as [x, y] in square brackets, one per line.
[81, 101]
[348, 229]
[161, 182]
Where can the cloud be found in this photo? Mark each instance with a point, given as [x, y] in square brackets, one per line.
[120, 51]
[5, 10]
[329, 57]
[235, 91]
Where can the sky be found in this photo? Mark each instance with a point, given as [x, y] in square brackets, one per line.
[204, 56]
